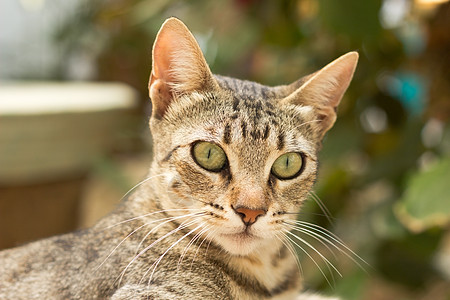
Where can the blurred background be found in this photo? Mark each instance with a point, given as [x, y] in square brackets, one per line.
[74, 112]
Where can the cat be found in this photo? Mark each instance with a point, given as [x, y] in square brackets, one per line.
[233, 163]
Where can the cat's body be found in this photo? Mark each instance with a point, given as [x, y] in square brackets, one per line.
[73, 266]
[234, 161]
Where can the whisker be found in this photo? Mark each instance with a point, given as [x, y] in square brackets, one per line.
[118, 245]
[207, 247]
[322, 206]
[292, 251]
[315, 236]
[320, 230]
[313, 248]
[306, 252]
[167, 220]
[180, 227]
[139, 184]
[135, 230]
[147, 215]
[308, 214]
[315, 227]
[156, 263]
[327, 262]
[191, 242]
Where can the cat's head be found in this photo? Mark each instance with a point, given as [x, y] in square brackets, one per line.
[239, 158]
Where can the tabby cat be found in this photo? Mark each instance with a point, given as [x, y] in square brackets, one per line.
[233, 162]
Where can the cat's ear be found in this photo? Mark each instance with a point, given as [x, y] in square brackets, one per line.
[178, 66]
[324, 89]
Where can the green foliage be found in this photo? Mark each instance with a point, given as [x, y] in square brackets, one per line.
[357, 20]
[351, 287]
[426, 200]
[408, 260]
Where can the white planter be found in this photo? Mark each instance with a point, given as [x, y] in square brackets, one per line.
[51, 129]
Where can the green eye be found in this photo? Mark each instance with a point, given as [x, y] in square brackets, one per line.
[288, 165]
[209, 156]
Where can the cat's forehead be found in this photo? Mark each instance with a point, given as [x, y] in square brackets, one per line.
[248, 91]
[242, 121]
[258, 109]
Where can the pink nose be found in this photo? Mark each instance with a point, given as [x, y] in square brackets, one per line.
[248, 215]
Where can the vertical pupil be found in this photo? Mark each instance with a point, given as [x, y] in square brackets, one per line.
[287, 162]
[209, 153]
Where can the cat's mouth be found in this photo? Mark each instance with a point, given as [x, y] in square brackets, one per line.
[239, 243]
[241, 236]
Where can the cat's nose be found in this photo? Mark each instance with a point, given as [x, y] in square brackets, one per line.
[249, 215]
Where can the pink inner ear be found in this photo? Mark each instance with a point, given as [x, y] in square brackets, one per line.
[159, 85]
[162, 58]
[343, 80]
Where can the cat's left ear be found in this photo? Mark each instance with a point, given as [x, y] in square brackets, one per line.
[178, 66]
[324, 89]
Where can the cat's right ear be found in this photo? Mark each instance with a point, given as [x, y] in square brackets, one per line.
[323, 90]
[178, 66]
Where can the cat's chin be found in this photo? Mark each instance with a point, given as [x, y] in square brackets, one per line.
[239, 243]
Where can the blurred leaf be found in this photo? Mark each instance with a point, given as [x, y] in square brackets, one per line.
[426, 201]
[144, 10]
[351, 287]
[408, 260]
[385, 224]
[354, 18]
[343, 138]
[392, 165]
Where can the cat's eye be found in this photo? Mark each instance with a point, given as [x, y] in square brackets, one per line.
[288, 165]
[209, 156]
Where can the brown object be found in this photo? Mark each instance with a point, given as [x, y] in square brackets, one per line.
[39, 210]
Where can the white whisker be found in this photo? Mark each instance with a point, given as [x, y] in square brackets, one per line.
[139, 184]
[156, 263]
[147, 215]
[206, 238]
[322, 206]
[135, 230]
[180, 227]
[315, 250]
[328, 237]
[292, 251]
[118, 245]
[191, 242]
[315, 236]
[306, 252]
[166, 220]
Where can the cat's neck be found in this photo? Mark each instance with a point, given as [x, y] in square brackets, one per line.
[268, 265]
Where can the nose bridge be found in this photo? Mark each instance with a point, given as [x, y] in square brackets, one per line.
[249, 193]
[249, 202]
[249, 183]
